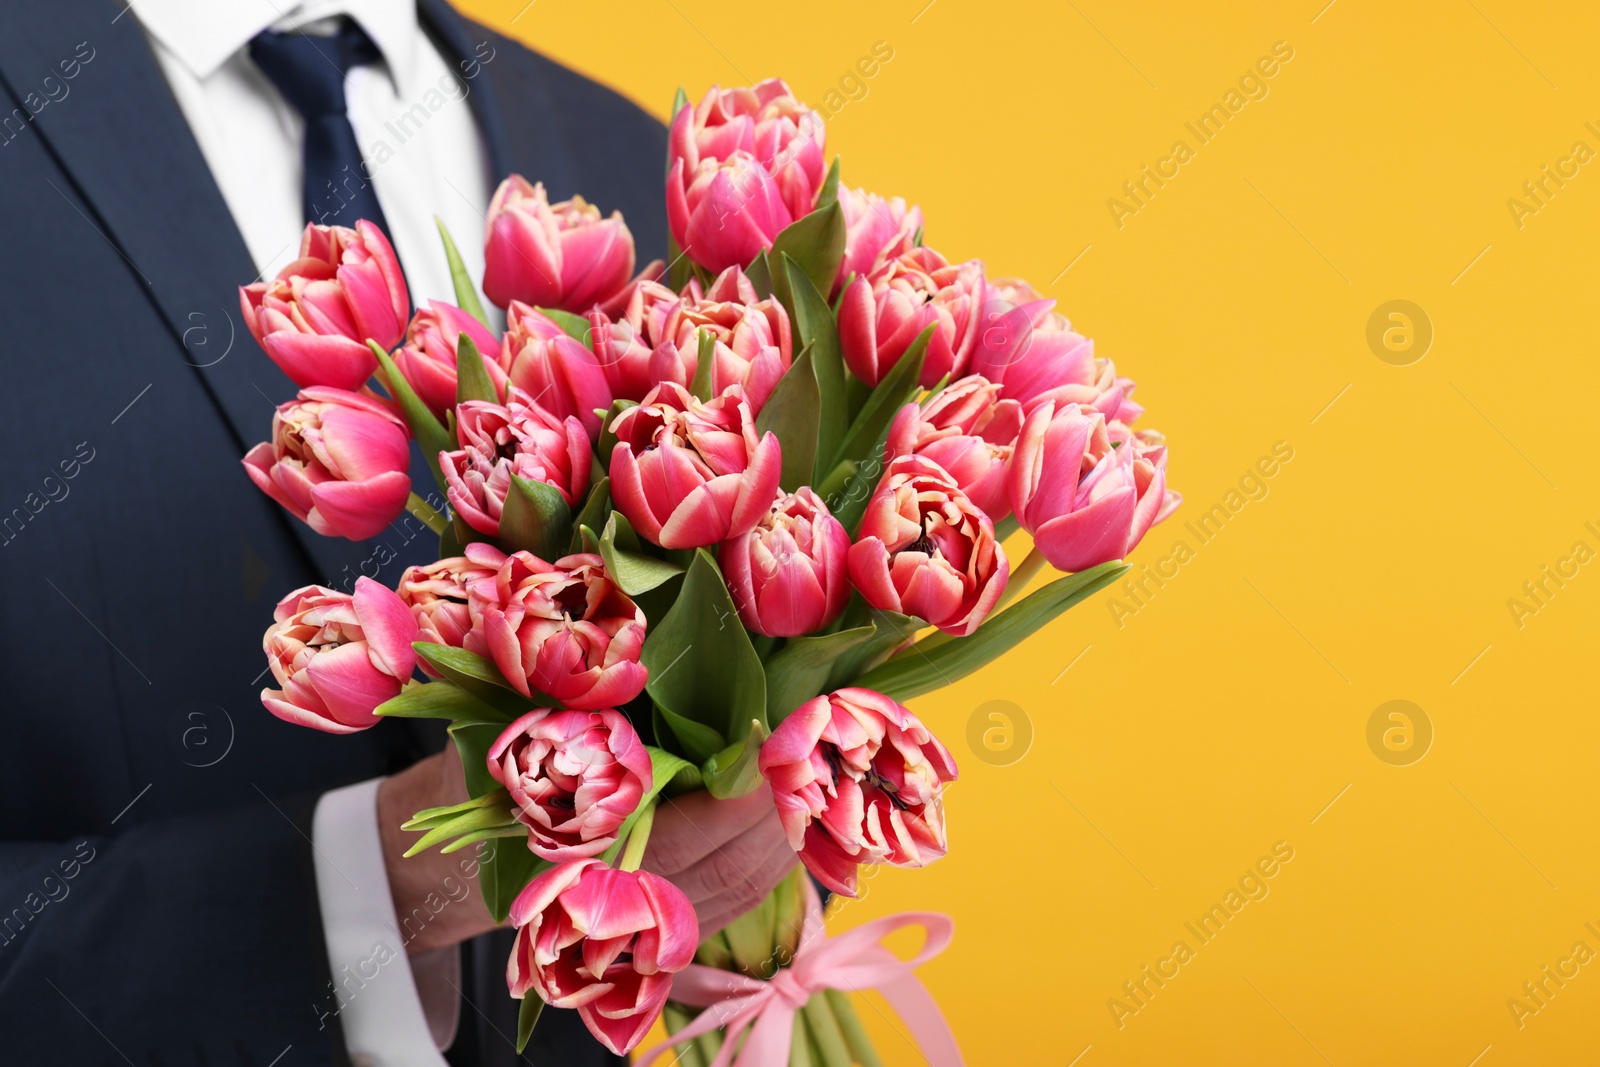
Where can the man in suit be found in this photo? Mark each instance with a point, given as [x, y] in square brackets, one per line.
[183, 878]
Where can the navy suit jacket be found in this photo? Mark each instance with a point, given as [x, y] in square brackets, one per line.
[157, 903]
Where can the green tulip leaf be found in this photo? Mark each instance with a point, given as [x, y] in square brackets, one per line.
[527, 1017]
[535, 518]
[576, 326]
[815, 329]
[472, 377]
[466, 292]
[733, 772]
[437, 700]
[869, 454]
[898, 388]
[914, 671]
[472, 740]
[794, 413]
[504, 868]
[428, 818]
[608, 440]
[697, 741]
[828, 195]
[679, 268]
[449, 544]
[705, 367]
[480, 678]
[893, 631]
[499, 816]
[626, 563]
[592, 516]
[760, 274]
[703, 669]
[801, 669]
[816, 242]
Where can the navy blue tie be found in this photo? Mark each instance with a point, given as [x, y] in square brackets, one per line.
[310, 71]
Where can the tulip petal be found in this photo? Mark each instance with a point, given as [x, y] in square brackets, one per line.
[349, 685]
[388, 626]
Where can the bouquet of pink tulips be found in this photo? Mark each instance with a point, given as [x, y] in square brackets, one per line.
[709, 526]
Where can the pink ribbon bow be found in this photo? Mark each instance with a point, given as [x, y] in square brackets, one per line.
[851, 962]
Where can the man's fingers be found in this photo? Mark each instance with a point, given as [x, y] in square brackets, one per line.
[737, 865]
[722, 909]
[691, 827]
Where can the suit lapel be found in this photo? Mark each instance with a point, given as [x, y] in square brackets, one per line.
[137, 173]
[134, 170]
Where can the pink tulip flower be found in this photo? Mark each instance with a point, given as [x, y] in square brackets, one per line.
[636, 349]
[515, 438]
[881, 314]
[687, 474]
[315, 318]
[927, 551]
[765, 121]
[437, 596]
[337, 461]
[427, 360]
[338, 656]
[548, 364]
[970, 432]
[752, 345]
[604, 941]
[574, 777]
[658, 338]
[1149, 450]
[857, 779]
[561, 629]
[553, 255]
[876, 230]
[1084, 497]
[722, 214]
[788, 575]
[1035, 356]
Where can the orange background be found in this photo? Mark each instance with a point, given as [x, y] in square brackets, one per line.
[1230, 711]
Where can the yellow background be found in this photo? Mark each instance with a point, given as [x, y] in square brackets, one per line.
[1231, 709]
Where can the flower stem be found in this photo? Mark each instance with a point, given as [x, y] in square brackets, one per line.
[827, 1036]
[1020, 578]
[633, 854]
[419, 508]
[855, 1034]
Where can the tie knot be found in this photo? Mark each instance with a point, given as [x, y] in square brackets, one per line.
[308, 70]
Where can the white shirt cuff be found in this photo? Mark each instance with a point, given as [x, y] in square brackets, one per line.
[374, 991]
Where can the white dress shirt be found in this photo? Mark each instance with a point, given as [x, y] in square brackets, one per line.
[411, 117]
[426, 159]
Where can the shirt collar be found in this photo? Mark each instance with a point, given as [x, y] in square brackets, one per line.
[204, 34]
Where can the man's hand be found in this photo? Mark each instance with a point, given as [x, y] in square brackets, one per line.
[726, 855]
[430, 783]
